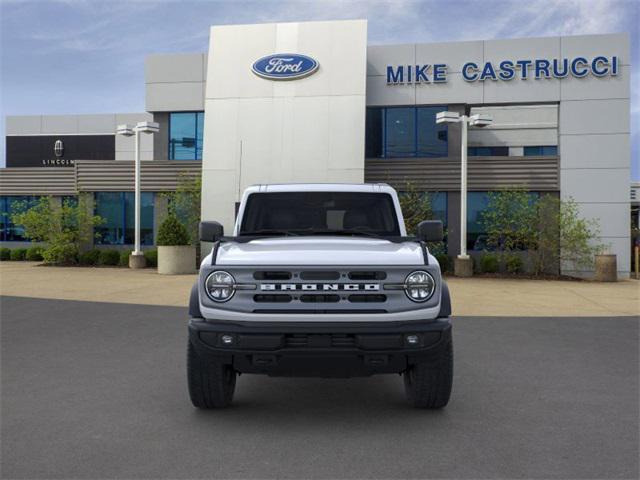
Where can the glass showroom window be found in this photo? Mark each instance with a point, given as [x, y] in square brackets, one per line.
[374, 133]
[400, 129]
[185, 135]
[9, 232]
[477, 204]
[432, 138]
[541, 151]
[405, 132]
[488, 151]
[439, 206]
[117, 209]
[440, 212]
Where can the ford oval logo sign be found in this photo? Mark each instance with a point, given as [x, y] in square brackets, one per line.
[285, 66]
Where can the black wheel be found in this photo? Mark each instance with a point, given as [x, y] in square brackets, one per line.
[428, 384]
[211, 383]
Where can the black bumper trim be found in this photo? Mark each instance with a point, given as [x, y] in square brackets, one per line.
[320, 349]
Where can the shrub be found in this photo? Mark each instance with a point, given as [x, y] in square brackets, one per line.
[61, 254]
[109, 257]
[510, 219]
[18, 254]
[124, 258]
[34, 254]
[513, 263]
[90, 257]
[567, 238]
[185, 204]
[152, 258]
[63, 227]
[443, 260]
[5, 254]
[172, 232]
[489, 263]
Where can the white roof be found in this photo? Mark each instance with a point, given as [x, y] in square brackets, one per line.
[320, 187]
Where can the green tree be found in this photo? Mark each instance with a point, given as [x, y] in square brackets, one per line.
[63, 227]
[184, 203]
[551, 229]
[417, 206]
[510, 220]
[577, 241]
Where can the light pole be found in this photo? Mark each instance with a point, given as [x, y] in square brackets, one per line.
[136, 259]
[463, 264]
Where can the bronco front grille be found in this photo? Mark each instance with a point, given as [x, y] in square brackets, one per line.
[333, 290]
[272, 298]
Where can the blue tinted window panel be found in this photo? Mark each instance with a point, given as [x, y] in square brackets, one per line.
[182, 136]
[10, 206]
[374, 133]
[109, 206]
[439, 206]
[477, 202]
[199, 134]
[532, 151]
[3, 218]
[499, 151]
[400, 135]
[146, 218]
[431, 138]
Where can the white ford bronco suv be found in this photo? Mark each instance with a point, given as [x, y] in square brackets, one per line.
[320, 280]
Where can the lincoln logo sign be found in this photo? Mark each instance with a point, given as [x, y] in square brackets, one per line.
[505, 70]
[326, 287]
[58, 148]
[285, 66]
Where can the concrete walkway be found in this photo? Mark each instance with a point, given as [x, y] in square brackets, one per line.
[471, 297]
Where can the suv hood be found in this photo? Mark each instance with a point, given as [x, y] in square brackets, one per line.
[320, 251]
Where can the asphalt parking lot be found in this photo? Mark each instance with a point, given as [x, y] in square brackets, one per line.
[98, 390]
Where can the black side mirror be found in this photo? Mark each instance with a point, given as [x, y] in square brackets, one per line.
[430, 231]
[210, 231]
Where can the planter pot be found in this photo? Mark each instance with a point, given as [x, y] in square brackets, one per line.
[606, 268]
[176, 260]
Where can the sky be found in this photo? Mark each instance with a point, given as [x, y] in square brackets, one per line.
[87, 56]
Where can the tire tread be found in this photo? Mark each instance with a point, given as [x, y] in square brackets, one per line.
[428, 384]
[209, 386]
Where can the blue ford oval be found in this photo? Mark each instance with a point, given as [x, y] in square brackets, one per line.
[285, 66]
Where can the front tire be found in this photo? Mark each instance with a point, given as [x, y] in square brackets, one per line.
[428, 384]
[211, 384]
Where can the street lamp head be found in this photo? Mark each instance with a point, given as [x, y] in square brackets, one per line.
[148, 127]
[124, 129]
[480, 120]
[447, 117]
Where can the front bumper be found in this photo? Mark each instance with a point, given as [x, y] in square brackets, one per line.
[320, 349]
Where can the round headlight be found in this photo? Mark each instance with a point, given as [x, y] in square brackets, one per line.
[220, 286]
[419, 286]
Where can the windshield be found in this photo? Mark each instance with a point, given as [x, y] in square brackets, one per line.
[320, 213]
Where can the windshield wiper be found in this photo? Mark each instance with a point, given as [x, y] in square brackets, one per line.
[269, 231]
[364, 233]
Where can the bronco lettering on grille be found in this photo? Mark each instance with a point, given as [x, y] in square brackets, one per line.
[370, 287]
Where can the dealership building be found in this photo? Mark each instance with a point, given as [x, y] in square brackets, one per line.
[312, 102]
